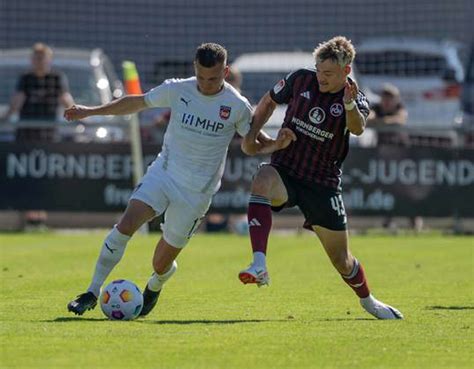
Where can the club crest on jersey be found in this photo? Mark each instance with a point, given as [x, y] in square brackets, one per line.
[317, 115]
[336, 110]
[279, 86]
[224, 113]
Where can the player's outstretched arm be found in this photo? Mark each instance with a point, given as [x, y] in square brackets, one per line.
[126, 105]
[251, 143]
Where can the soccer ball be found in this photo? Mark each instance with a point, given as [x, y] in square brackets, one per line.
[121, 300]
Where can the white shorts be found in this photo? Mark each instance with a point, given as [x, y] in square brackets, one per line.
[184, 209]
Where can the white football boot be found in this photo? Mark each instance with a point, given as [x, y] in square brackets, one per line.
[379, 309]
[255, 274]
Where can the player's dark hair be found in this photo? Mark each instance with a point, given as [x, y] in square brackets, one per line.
[211, 54]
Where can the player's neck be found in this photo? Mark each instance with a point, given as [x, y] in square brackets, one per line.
[338, 88]
[210, 94]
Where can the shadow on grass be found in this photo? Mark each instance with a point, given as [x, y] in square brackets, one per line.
[347, 319]
[66, 319]
[201, 321]
[162, 322]
[209, 321]
[438, 307]
[240, 321]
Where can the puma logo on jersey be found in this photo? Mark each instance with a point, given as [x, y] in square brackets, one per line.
[306, 95]
[184, 101]
[254, 223]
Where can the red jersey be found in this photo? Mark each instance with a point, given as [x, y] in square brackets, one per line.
[319, 121]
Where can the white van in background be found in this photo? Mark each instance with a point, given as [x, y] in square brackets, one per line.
[428, 74]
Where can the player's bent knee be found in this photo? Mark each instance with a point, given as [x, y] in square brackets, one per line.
[174, 239]
[263, 181]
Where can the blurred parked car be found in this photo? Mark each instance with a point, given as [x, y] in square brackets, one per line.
[466, 119]
[261, 71]
[428, 74]
[467, 95]
[92, 81]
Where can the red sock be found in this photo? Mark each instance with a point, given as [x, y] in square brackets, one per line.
[259, 216]
[356, 280]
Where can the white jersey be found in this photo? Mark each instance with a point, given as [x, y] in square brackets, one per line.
[199, 131]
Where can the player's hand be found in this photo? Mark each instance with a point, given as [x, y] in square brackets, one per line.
[284, 138]
[264, 139]
[350, 92]
[76, 112]
[250, 145]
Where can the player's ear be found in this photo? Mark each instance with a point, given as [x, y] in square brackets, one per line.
[347, 69]
[226, 71]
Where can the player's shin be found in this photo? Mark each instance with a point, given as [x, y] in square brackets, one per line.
[110, 254]
[259, 217]
[357, 281]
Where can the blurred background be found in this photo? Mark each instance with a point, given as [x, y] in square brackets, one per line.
[412, 168]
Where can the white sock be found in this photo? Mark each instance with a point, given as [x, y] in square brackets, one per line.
[156, 281]
[259, 259]
[369, 299]
[110, 254]
[370, 303]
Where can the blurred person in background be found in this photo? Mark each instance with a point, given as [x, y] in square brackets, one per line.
[40, 91]
[324, 107]
[39, 94]
[389, 110]
[389, 117]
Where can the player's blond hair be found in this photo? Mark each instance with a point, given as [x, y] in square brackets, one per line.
[338, 49]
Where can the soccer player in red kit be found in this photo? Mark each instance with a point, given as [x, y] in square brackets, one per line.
[324, 107]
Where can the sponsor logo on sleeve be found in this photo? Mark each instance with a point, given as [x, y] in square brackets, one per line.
[306, 95]
[279, 86]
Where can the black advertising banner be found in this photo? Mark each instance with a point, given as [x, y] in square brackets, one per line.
[411, 181]
[97, 177]
[66, 176]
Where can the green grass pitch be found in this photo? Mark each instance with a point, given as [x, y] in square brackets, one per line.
[307, 318]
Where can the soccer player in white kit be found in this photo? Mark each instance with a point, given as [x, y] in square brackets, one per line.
[206, 112]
